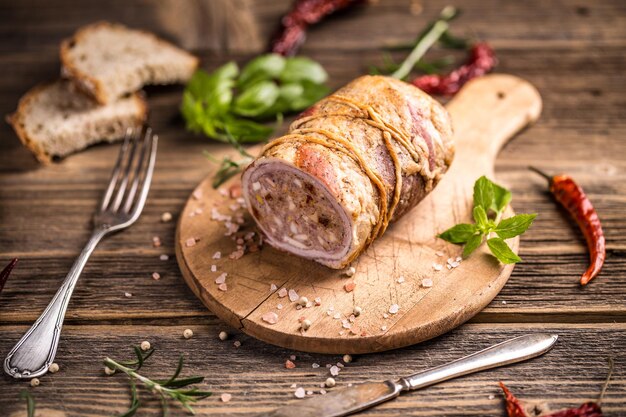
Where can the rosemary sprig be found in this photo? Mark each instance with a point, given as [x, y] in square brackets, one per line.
[423, 45]
[171, 388]
[228, 167]
[30, 403]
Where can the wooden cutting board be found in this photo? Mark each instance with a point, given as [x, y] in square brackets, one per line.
[486, 113]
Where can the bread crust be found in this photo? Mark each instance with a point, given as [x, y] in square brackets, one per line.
[16, 119]
[92, 85]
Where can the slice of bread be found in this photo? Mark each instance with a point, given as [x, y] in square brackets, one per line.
[109, 60]
[56, 119]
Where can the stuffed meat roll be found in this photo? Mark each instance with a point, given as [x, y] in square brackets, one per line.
[348, 166]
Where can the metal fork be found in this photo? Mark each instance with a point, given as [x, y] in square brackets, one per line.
[120, 207]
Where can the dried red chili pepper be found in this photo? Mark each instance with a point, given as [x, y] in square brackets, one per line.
[4, 275]
[304, 13]
[571, 196]
[515, 408]
[481, 60]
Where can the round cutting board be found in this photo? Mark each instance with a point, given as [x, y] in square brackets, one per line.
[485, 114]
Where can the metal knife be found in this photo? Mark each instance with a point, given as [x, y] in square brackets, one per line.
[359, 397]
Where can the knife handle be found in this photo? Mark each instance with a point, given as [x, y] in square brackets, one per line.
[510, 351]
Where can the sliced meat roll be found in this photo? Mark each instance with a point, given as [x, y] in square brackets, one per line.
[348, 166]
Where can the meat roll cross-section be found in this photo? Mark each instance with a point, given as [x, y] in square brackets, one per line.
[348, 166]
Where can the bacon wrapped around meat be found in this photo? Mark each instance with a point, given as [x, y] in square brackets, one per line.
[348, 166]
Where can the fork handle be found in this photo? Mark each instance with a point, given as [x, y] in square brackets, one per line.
[35, 351]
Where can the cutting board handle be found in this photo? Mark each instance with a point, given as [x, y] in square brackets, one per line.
[494, 108]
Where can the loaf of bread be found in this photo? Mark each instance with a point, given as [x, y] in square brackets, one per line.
[348, 166]
[55, 119]
[109, 60]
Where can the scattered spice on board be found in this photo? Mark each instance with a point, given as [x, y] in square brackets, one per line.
[572, 197]
[4, 275]
[303, 14]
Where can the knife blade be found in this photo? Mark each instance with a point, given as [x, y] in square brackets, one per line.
[361, 396]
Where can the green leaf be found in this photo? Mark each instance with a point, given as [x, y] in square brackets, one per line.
[502, 197]
[471, 245]
[311, 94]
[480, 217]
[301, 68]
[483, 193]
[30, 403]
[501, 250]
[256, 99]
[246, 131]
[514, 226]
[192, 112]
[134, 401]
[264, 67]
[460, 233]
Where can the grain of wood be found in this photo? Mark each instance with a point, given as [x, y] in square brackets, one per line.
[569, 374]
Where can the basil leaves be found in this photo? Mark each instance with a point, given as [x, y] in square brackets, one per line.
[230, 105]
[490, 201]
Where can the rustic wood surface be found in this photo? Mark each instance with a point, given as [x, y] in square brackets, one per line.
[486, 114]
[572, 51]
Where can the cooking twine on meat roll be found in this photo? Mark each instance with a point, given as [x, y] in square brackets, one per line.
[348, 166]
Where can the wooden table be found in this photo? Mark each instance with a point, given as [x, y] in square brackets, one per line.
[573, 51]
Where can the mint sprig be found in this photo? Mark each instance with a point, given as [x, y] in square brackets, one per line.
[490, 201]
[228, 104]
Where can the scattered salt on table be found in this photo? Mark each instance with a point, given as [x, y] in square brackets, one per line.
[282, 292]
[299, 392]
[270, 317]
[222, 287]
[293, 296]
[394, 308]
[190, 242]
[427, 283]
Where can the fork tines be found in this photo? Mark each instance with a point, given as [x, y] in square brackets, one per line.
[134, 166]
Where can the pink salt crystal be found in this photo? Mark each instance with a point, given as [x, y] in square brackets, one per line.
[293, 296]
[164, 257]
[318, 301]
[273, 287]
[427, 283]
[156, 276]
[394, 308]
[383, 328]
[221, 279]
[236, 254]
[217, 255]
[237, 343]
[334, 370]
[400, 280]
[226, 397]
[279, 306]
[156, 241]
[222, 287]
[190, 242]
[349, 287]
[197, 194]
[213, 268]
[282, 292]
[270, 317]
[289, 364]
[299, 392]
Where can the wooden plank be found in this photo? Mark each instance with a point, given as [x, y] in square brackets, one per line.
[38, 25]
[571, 373]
